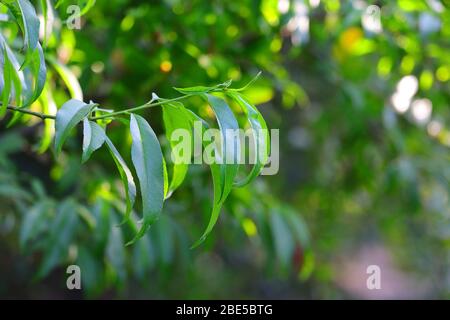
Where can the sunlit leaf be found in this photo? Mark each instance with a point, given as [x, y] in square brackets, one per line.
[70, 80]
[260, 137]
[224, 173]
[174, 116]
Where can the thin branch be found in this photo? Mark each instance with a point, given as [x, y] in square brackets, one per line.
[43, 116]
[144, 106]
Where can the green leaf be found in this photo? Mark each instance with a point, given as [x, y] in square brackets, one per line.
[34, 222]
[115, 251]
[68, 77]
[70, 114]
[25, 14]
[223, 174]
[126, 176]
[61, 232]
[217, 203]
[261, 139]
[47, 13]
[85, 5]
[38, 70]
[194, 90]
[48, 107]
[282, 238]
[175, 117]
[204, 89]
[248, 84]
[6, 85]
[93, 138]
[148, 161]
[230, 145]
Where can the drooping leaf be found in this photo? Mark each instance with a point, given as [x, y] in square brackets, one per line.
[175, 118]
[25, 14]
[115, 251]
[260, 137]
[126, 176]
[230, 144]
[282, 238]
[222, 173]
[93, 138]
[61, 232]
[71, 113]
[216, 205]
[70, 80]
[6, 85]
[147, 159]
[48, 107]
[36, 62]
[34, 222]
[48, 16]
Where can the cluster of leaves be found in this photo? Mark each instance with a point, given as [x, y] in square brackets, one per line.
[147, 157]
[146, 152]
[57, 228]
[22, 84]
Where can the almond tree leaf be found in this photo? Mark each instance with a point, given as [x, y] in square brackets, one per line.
[223, 173]
[194, 90]
[217, 189]
[70, 114]
[93, 138]
[174, 117]
[25, 14]
[147, 159]
[68, 77]
[127, 179]
[39, 73]
[261, 139]
[230, 146]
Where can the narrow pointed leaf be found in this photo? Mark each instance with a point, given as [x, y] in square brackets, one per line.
[71, 113]
[39, 74]
[230, 144]
[48, 107]
[148, 161]
[218, 185]
[261, 139]
[6, 85]
[70, 80]
[27, 19]
[61, 233]
[174, 117]
[93, 138]
[126, 176]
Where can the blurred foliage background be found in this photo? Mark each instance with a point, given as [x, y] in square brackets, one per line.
[361, 98]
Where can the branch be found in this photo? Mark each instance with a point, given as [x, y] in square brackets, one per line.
[144, 106]
[33, 113]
